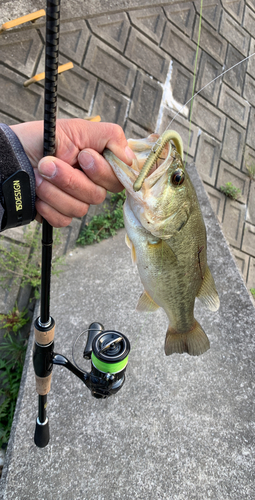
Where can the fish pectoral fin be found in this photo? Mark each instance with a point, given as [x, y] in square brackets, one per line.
[132, 248]
[194, 342]
[207, 293]
[128, 241]
[146, 303]
[133, 254]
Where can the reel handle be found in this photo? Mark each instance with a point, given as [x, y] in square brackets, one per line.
[93, 330]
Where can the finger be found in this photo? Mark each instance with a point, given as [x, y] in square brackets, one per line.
[98, 170]
[98, 136]
[38, 217]
[54, 218]
[61, 201]
[68, 180]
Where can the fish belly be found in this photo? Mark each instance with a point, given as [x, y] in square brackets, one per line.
[171, 278]
[162, 274]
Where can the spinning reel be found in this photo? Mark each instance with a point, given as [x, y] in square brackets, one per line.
[108, 351]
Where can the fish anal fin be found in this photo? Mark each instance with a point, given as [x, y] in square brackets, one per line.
[207, 293]
[146, 303]
[194, 342]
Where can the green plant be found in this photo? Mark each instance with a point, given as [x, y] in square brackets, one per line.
[20, 264]
[250, 167]
[13, 320]
[11, 365]
[231, 191]
[249, 162]
[252, 290]
[104, 225]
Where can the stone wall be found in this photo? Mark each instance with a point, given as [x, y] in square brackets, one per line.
[135, 67]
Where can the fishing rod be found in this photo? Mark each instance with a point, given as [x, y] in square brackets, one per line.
[107, 349]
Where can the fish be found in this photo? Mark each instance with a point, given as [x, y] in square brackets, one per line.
[167, 238]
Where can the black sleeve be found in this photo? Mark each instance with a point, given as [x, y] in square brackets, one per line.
[17, 182]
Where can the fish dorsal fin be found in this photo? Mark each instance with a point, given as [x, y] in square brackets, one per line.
[132, 248]
[207, 293]
[146, 303]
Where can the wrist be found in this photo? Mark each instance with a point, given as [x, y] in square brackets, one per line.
[17, 182]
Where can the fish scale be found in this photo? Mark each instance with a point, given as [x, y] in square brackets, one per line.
[167, 237]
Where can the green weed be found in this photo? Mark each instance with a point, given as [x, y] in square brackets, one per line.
[252, 290]
[104, 225]
[12, 355]
[249, 164]
[250, 167]
[13, 320]
[231, 191]
[20, 264]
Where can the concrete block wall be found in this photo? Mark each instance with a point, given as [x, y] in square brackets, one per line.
[135, 67]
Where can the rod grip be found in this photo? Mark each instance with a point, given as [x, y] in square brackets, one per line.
[44, 335]
[42, 355]
[43, 385]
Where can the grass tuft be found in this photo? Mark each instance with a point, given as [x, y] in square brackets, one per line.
[12, 355]
[231, 191]
[106, 224]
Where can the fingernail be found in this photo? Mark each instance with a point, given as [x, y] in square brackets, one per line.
[86, 160]
[38, 178]
[47, 168]
[129, 153]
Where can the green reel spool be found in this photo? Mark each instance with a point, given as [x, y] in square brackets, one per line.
[110, 350]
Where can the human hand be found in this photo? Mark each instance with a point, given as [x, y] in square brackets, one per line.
[63, 190]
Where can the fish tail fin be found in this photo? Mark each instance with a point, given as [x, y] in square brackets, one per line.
[194, 342]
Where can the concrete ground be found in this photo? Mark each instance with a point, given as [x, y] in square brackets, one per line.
[181, 428]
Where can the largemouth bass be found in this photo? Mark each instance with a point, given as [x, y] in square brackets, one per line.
[167, 238]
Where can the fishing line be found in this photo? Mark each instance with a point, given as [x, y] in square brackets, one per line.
[205, 86]
[174, 118]
[194, 76]
[193, 96]
[73, 348]
[157, 143]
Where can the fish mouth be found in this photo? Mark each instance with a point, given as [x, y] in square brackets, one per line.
[124, 173]
[127, 175]
[156, 153]
[154, 204]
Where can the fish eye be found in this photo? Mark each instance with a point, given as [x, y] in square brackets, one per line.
[178, 177]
